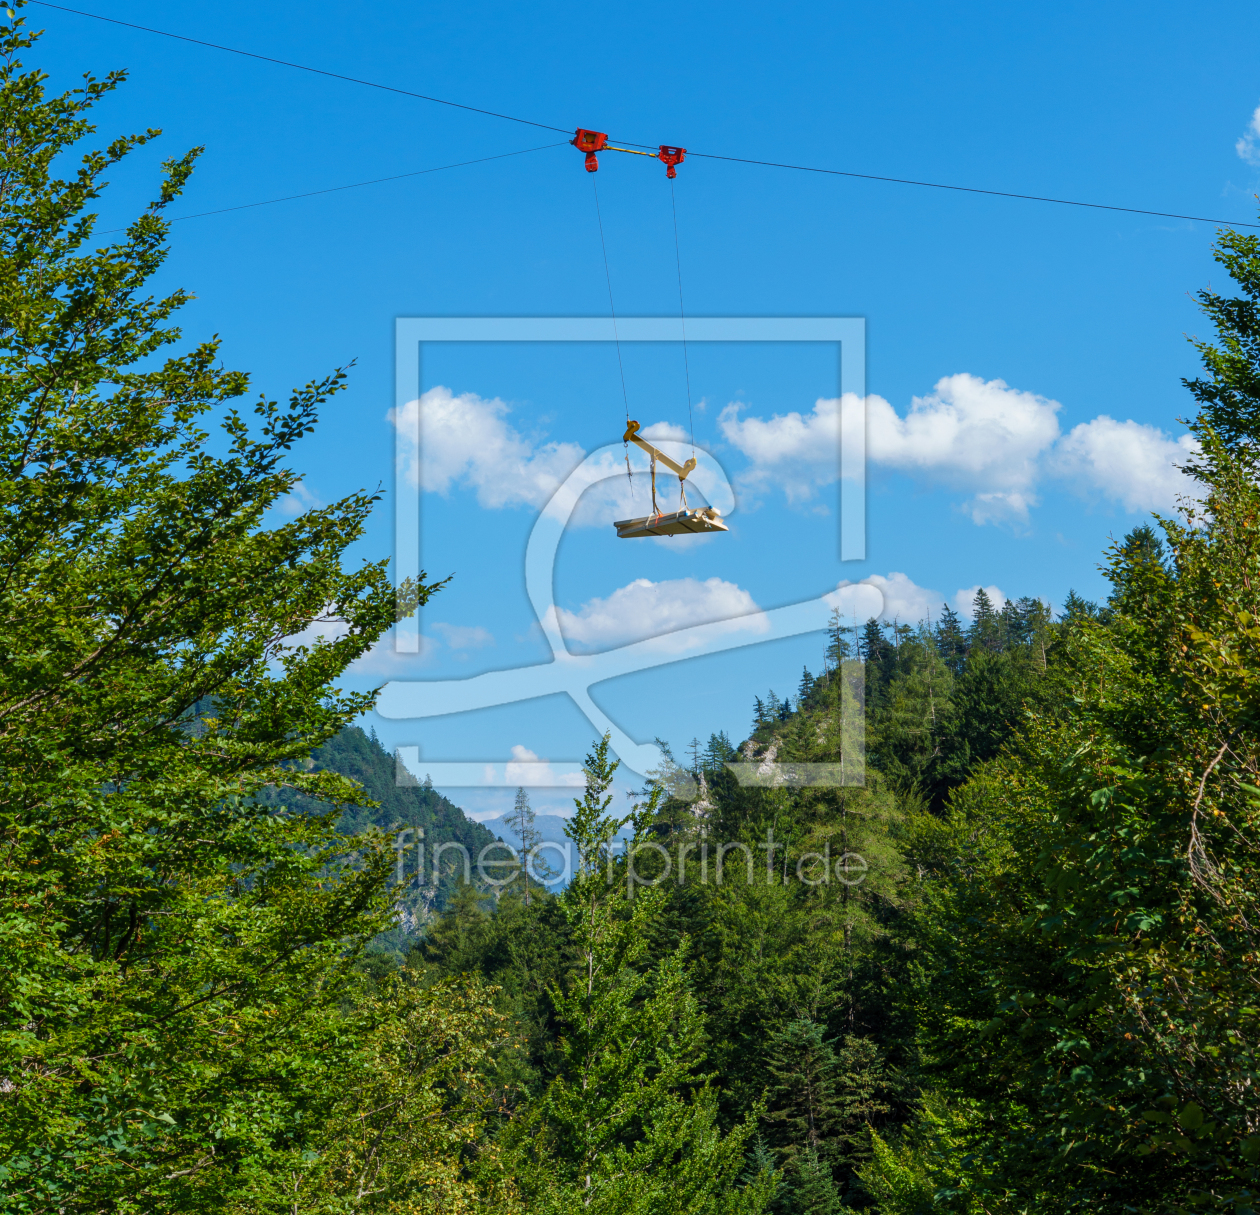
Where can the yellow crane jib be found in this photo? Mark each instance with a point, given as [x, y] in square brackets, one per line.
[677, 523]
[682, 470]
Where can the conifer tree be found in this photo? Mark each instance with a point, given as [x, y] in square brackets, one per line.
[801, 1067]
[873, 646]
[951, 641]
[629, 1124]
[522, 821]
[813, 1191]
[760, 714]
[839, 647]
[718, 751]
[985, 632]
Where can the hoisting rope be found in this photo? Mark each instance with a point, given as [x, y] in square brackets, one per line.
[682, 316]
[625, 396]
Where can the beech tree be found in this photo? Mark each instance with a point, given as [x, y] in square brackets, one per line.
[172, 949]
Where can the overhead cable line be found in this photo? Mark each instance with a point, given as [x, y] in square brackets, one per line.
[902, 181]
[301, 67]
[354, 185]
[937, 185]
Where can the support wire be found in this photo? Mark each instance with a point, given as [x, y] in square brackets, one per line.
[625, 396]
[682, 315]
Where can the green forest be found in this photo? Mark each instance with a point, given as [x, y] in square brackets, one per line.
[1015, 970]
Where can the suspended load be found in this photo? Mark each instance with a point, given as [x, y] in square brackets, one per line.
[683, 522]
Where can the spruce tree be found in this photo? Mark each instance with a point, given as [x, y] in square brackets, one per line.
[801, 1067]
[873, 646]
[813, 1191]
[951, 640]
[522, 822]
[840, 641]
[985, 632]
[628, 1124]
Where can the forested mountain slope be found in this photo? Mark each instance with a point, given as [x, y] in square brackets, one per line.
[410, 812]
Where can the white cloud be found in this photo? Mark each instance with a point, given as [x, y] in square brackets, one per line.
[1128, 462]
[800, 451]
[996, 443]
[660, 431]
[908, 603]
[656, 610]
[298, 500]
[383, 658]
[464, 637]
[978, 435]
[525, 768]
[903, 599]
[465, 441]
[965, 600]
[1248, 147]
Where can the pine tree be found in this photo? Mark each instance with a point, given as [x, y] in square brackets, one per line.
[804, 688]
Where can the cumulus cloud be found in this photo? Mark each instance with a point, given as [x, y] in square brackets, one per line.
[525, 768]
[907, 602]
[995, 443]
[1248, 146]
[466, 441]
[800, 451]
[965, 600]
[974, 434]
[657, 610]
[1133, 464]
[903, 599]
[968, 433]
[464, 637]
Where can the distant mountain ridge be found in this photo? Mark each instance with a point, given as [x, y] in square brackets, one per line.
[405, 805]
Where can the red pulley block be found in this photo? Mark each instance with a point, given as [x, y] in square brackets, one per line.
[671, 157]
[590, 142]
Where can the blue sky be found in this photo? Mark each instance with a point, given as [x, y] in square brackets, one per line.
[1023, 360]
